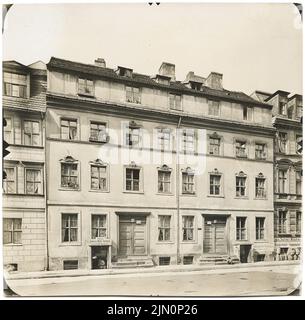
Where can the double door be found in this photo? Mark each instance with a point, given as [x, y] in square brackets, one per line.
[214, 240]
[132, 236]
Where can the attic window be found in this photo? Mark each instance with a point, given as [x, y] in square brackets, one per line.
[15, 85]
[85, 87]
[125, 72]
[195, 85]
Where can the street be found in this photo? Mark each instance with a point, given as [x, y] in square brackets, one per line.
[252, 281]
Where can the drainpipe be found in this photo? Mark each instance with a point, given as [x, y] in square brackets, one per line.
[178, 190]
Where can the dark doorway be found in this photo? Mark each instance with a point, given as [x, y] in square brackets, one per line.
[99, 257]
[245, 253]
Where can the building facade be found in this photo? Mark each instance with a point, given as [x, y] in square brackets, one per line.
[24, 201]
[147, 170]
[287, 114]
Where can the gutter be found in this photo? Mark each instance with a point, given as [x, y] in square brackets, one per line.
[178, 191]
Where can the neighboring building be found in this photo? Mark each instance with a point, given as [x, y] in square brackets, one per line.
[24, 203]
[287, 119]
[120, 193]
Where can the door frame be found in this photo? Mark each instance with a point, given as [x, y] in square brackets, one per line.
[147, 229]
[226, 232]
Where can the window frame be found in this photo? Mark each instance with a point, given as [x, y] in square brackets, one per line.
[70, 160]
[283, 179]
[193, 228]
[141, 179]
[211, 106]
[69, 119]
[11, 131]
[298, 136]
[128, 134]
[283, 222]
[133, 95]
[30, 168]
[78, 229]
[15, 168]
[298, 222]
[280, 141]
[31, 137]
[242, 175]
[298, 180]
[164, 228]
[184, 134]
[245, 148]
[239, 229]
[12, 83]
[164, 131]
[97, 122]
[100, 164]
[173, 97]
[84, 93]
[106, 227]
[263, 151]
[260, 176]
[215, 136]
[260, 229]
[165, 169]
[221, 184]
[12, 230]
[189, 172]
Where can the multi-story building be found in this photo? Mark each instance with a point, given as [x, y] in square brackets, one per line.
[147, 170]
[287, 119]
[24, 202]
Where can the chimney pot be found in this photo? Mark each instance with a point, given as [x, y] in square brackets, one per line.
[214, 80]
[168, 69]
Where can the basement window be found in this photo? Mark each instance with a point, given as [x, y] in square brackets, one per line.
[164, 261]
[70, 264]
[188, 259]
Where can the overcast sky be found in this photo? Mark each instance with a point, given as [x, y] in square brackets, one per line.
[255, 46]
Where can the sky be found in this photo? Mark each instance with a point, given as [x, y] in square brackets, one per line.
[254, 46]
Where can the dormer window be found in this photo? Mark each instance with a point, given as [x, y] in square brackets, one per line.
[85, 87]
[162, 79]
[15, 85]
[124, 72]
[282, 108]
[195, 85]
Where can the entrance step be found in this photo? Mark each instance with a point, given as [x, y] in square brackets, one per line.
[218, 259]
[133, 262]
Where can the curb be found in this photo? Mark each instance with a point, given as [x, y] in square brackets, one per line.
[157, 269]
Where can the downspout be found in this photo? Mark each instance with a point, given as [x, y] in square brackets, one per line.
[178, 189]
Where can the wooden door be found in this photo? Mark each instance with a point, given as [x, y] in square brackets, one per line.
[132, 235]
[214, 240]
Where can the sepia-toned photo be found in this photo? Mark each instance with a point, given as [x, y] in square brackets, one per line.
[152, 149]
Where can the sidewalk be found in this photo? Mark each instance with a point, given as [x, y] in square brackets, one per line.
[138, 270]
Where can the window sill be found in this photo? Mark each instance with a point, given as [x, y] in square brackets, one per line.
[242, 198]
[261, 159]
[67, 244]
[99, 191]
[18, 98]
[188, 194]
[68, 189]
[87, 95]
[12, 244]
[241, 157]
[25, 146]
[164, 242]
[133, 192]
[215, 196]
[188, 241]
[244, 241]
[23, 194]
[98, 141]
[164, 194]
[261, 241]
[284, 235]
[261, 198]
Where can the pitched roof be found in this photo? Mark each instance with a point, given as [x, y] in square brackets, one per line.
[141, 79]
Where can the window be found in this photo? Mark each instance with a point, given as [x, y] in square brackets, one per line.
[8, 131]
[9, 184]
[164, 181]
[298, 182]
[215, 184]
[12, 230]
[164, 261]
[188, 140]
[241, 230]
[99, 177]
[15, 85]
[299, 144]
[282, 142]
[260, 186]
[69, 225]
[298, 221]
[69, 173]
[214, 144]
[68, 129]
[133, 95]
[98, 226]
[175, 101]
[282, 108]
[282, 222]
[188, 259]
[188, 182]
[260, 228]
[188, 228]
[31, 133]
[85, 87]
[164, 228]
[133, 136]
[213, 108]
[299, 111]
[132, 179]
[241, 149]
[241, 185]
[33, 183]
[282, 178]
[260, 151]
[164, 139]
[98, 132]
[70, 264]
[290, 112]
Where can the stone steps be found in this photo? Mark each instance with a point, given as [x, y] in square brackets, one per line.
[133, 262]
[217, 259]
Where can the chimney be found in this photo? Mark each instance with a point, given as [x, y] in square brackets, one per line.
[192, 77]
[214, 80]
[100, 62]
[168, 70]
